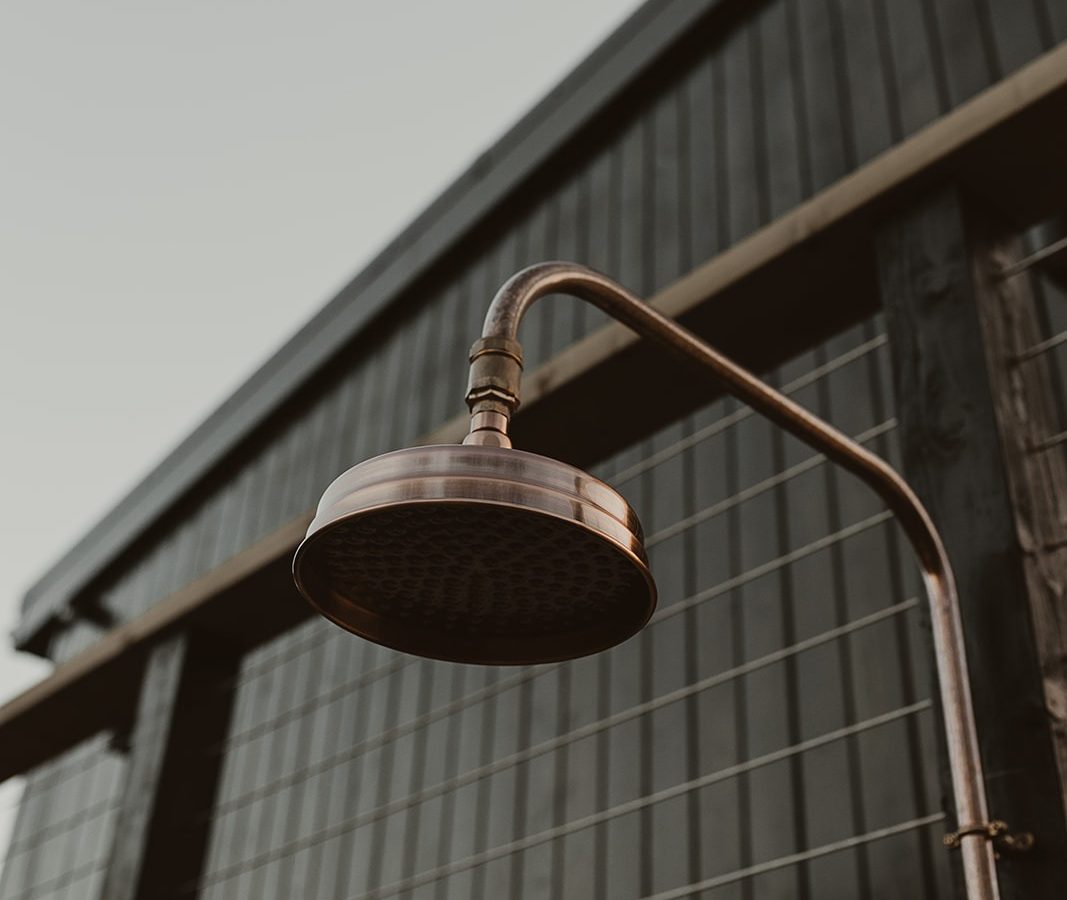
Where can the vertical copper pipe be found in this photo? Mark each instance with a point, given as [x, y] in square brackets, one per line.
[496, 397]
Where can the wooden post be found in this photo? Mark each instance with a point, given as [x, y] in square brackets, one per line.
[151, 733]
[953, 456]
[1025, 406]
[183, 711]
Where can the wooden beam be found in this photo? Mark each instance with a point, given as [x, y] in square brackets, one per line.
[952, 457]
[810, 271]
[243, 602]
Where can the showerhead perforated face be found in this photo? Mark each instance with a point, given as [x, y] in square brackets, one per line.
[477, 554]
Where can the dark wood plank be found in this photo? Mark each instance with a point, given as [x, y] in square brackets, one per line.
[669, 755]
[378, 773]
[415, 411]
[951, 455]
[372, 408]
[427, 671]
[319, 449]
[450, 383]
[917, 68]
[814, 681]
[397, 778]
[327, 463]
[818, 86]
[540, 862]
[784, 115]
[536, 333]
[740, 110]
[669, 188]
[633, 210]
[569, 322]
[863, 64]
[349, 414]
[501, 789]
[1019, 31]
[769, 711]
[1056, 13]
[397, 341]
[151, 734]
[578, 873]
[596, 212]
[177, 551]
[970, 69]
[698, 114]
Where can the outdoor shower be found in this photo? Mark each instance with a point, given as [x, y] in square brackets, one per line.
[480, 553]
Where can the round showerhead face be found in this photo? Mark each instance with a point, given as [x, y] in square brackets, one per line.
[477, 555]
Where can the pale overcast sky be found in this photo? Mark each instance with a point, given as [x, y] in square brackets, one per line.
[182, 184]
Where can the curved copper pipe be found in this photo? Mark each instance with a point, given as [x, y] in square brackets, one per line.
[501, 331]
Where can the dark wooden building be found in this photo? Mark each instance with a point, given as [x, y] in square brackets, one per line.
[862, 199]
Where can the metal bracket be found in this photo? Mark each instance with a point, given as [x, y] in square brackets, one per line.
[997, 832]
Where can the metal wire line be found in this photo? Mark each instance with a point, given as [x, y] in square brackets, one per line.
[1043, 347]
[507, 683]
[53, 829]
[76, 761]
[1027, 262]
[1050, 442]
[78, 819]
[301, 709]
[321, 634]
[664, 613]
[793, 859]
[719, 425]
[525, 843]
[58, 882]
[772, 565]
[807, 465]
[381, 739]
[560, 741]
[33, 794]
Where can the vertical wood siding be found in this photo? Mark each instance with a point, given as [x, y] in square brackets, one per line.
[330, 731]
[778, 704]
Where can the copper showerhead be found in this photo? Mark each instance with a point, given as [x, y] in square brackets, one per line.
[477, 554]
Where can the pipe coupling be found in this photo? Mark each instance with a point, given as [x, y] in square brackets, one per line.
[493, 389]
[496, 372]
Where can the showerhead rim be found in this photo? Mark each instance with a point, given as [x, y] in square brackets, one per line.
[622, 536]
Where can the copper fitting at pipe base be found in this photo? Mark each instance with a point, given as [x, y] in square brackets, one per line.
[489, 428]
[496, 367]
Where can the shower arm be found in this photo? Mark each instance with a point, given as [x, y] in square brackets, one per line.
[493, 396]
